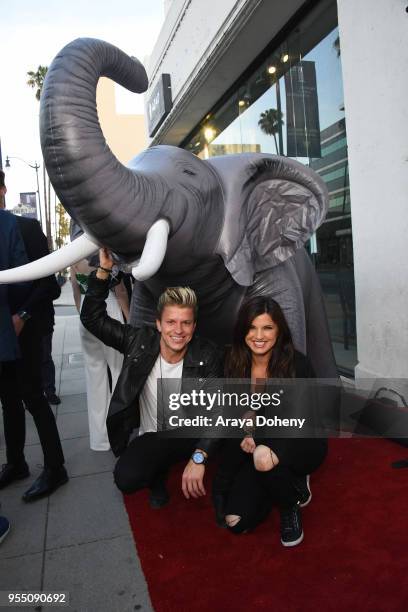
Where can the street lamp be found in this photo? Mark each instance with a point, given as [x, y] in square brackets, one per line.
[35, 167]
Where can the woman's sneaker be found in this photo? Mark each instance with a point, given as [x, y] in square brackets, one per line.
[291, 525]
[4, 527]
[302, 486]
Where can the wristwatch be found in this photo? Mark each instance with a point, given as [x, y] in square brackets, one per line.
[199, 458]
[24, 315]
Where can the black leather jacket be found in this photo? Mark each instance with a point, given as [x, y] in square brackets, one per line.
[141, 347]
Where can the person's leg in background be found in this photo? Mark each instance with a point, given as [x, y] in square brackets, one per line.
[16, 467]
[54, 473]
[4, 522]
[48, 370]
[4, 528]
[113, 358]
[97, 388]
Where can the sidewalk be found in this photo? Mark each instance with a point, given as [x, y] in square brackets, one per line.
[78, 540]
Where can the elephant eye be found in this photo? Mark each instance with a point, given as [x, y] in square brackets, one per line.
[187, 171]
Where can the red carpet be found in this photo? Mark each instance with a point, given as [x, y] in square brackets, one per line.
[354, 555]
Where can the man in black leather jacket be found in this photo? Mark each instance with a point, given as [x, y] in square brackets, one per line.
[152, 356]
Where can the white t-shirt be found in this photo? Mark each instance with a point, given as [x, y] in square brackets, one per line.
[156, 382]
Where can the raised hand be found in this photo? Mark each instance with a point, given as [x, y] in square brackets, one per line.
[105, 258]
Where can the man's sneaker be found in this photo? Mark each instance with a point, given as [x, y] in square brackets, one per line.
[4, 528]
[302, 486]
[291, 525]
[159, 496]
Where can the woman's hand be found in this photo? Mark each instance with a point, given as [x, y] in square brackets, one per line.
[248, 444]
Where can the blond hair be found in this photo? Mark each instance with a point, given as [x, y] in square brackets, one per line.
[184, 297]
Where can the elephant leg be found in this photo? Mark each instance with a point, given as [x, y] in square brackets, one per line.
[142, 306]
[319, 344]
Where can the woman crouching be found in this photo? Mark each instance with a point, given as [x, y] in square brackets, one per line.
[256, 473]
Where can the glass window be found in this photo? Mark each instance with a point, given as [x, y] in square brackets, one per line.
[339, 144]
[292, 104]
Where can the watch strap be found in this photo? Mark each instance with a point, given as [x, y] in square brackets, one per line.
[24, 315]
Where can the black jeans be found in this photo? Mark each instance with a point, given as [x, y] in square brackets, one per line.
[148, 458]
[249, 493]
[48, 367]
[21, 385]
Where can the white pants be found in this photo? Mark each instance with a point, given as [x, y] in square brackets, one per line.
[97, 357]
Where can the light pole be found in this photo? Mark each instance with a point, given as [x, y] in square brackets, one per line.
[35, 167]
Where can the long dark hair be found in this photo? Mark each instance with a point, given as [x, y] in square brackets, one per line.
[239, 360]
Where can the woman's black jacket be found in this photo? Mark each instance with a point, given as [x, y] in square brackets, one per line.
[293, 450]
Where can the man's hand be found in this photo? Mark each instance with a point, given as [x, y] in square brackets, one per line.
[192, 480]
[18, 324]
[105, 262]
[248, 444]
[105, 259]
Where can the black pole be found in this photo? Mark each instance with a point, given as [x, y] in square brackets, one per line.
[278, 104]
[38, 193]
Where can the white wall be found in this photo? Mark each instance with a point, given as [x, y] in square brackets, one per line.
[189, 28]
[205, 47]
[374, 55]
[167, 5]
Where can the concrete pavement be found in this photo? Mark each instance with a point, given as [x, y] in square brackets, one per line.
[79, 539]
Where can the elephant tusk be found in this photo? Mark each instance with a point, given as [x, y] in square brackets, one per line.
[153, 252]
[50, 264]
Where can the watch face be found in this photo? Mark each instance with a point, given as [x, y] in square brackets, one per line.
[198, 457]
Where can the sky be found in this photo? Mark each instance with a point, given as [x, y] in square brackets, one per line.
[32, 33]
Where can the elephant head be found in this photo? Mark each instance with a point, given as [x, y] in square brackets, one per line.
[249, 209]
[184, 217]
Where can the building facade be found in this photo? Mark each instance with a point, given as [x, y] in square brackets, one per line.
[124, 133]
[322, 82]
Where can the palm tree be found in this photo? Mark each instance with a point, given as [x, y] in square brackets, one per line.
[270, 122]
[36, 80]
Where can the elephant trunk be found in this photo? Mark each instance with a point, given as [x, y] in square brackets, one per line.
[101, 194]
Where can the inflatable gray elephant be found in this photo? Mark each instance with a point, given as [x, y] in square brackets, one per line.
[230, 227]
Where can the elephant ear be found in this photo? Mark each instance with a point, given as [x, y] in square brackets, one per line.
[273, 205]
